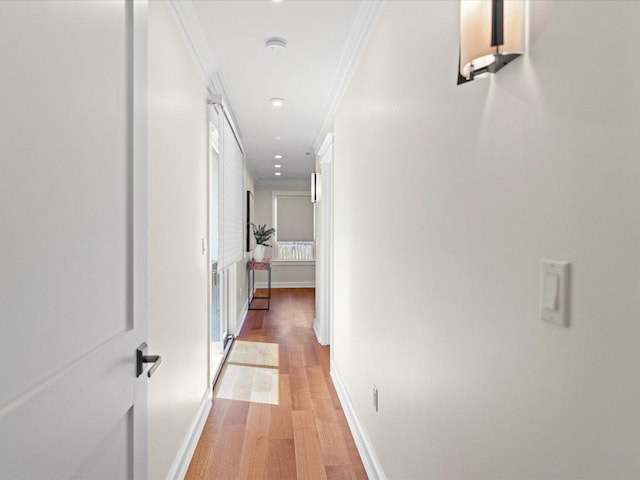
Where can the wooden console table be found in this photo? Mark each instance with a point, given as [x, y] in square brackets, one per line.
[253, 266]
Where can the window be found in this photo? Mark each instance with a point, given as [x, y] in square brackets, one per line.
[231, 196]
[293, 221]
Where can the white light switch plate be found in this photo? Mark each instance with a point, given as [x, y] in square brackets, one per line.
[554, 292]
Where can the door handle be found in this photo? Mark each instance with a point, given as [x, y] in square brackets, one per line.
[142, 358]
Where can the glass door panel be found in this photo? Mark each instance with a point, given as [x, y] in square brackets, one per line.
[216, 327]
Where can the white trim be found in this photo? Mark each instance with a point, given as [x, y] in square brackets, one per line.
[365, 448]
[261, 182]
[212, 147]
[140, 213]
[325, 270]
[360, 32]
[321, 340]
[183, 458]
[322, 150]
[242, 318]
[286, 284]
[291, 193]
[293, 263]
[196, 41]
[193, 36]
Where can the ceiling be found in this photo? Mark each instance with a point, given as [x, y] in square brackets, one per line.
[324, 40]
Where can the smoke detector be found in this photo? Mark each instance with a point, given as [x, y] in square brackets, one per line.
[276, 44]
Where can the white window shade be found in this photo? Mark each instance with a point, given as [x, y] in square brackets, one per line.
[294, 218]
[231, 196]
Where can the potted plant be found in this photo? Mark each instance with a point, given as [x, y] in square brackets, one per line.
[262, 236]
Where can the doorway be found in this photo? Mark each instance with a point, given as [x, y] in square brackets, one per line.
[218, 320]
[324, 244]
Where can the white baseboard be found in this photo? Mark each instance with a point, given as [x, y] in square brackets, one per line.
[183, 458]
[321, 340]
[242, 318]
[286, 285]
[365, 449]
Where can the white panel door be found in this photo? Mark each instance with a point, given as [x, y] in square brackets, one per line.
[72, 239]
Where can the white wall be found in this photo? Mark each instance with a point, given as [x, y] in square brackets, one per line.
[177, 222]
[282, 273]
[464, 190]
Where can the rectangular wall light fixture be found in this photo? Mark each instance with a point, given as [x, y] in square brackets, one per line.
[316, 191]
[491, 36]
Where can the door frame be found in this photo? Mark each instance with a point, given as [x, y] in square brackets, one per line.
[214, 123]
[140, 194]
[325, 271]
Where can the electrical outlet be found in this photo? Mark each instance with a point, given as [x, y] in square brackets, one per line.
[375, 398]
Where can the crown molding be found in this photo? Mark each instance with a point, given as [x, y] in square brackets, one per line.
[327, 142]
[196, 41]
[362, 28]
[185, 16]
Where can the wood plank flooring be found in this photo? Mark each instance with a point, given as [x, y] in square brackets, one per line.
[304, 436]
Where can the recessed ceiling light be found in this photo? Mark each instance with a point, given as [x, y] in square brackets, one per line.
[278, 157]
[277, 138]
[276, 44]
[278, 166]
[277, 102]
[277, 174]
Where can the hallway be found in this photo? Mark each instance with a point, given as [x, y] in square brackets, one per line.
[306, 435]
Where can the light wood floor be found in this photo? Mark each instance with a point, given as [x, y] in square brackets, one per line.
[306, 435]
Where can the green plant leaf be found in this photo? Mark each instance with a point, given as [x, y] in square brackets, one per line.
[262, 234]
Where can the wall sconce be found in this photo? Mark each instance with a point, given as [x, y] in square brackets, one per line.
[316, 189]
[491, 36]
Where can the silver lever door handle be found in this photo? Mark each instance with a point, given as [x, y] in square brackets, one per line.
[155, 359]
[142, 358]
